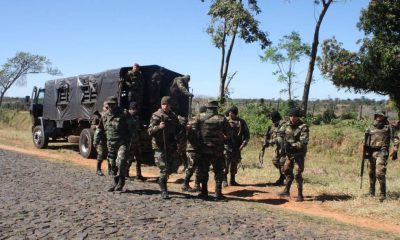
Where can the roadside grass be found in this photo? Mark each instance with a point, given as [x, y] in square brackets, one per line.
[332, 166]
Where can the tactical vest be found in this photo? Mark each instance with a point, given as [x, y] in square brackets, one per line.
[211, 132]
[379, 137]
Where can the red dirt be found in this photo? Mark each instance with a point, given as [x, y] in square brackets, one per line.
[253, 193]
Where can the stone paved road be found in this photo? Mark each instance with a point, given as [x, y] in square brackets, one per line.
[42, 199]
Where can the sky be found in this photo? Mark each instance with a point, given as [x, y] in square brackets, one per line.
[88, 36]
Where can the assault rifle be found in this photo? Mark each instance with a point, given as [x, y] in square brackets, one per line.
[267, 136]
[365, 155]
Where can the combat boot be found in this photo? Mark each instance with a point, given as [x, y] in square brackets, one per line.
[225, 181]
[300, 197]
[185, 186]
[139, 173]
[99, 172]
[233, 182]
[286, 191]
[163, 188]
[204, 191]
[382, 195]
[120, 184]
[218, 192]
[372, 188]
[109, 170]
[280, 181]
[114, 185]
[196, 186]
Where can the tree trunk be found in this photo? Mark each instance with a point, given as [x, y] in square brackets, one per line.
[313, 56]
[1, 97]
[225, 67]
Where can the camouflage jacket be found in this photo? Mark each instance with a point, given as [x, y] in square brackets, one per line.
[179, 85]
[379, 135]
[294, 136]
[114, 125]
[171, 130]
[273, 140]
[99, 137]
[240, 134]
[193, 135]
[214, 130]
[134, 81]
[134, 126]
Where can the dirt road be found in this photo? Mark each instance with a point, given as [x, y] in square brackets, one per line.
[42, 199]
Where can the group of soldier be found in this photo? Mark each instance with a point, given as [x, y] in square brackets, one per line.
[210, 138]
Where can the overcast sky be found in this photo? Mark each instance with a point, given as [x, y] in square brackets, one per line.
[83, 36]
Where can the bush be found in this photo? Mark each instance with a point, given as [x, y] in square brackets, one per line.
[328, 116]
[349, 116]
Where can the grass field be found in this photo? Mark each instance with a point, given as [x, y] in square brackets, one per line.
[331, 173]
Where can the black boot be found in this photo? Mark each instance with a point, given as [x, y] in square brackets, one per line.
[114, 185]
[121, 183]
[204, 191]
[300, 197]
[139, 173]
[233, 182]
[185, 186]
[163, 188]
[99, 172]
[286, 191]
[382, 195]
[372, 187]
[280, 181]
[218, 192]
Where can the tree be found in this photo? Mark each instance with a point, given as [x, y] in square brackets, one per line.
[376, 66]
[285, 55]
[231, 19]
[314, 50]
[16, 69]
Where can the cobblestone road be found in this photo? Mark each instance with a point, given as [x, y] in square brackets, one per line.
[41, 199]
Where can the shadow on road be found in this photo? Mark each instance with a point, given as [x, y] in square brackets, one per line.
[245, 193]
[332, 197]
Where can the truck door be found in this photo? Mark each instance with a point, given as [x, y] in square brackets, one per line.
[36, 108]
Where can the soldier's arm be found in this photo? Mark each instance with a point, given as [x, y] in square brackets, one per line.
[226, 129]
[99, 133]
[246, 134]
[154, 125]
[303, 140]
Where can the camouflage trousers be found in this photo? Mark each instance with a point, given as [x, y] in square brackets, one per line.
[134, 154]
[232, 160]
[377, 167]
[101, 151]
[167, 164]
[293, 163]
[217, 161]
[117, 158]
[193, 165]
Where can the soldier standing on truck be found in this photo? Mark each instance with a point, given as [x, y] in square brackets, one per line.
[163, 128]
[135, 126]
[114, 125]
[179, 92]
[134, 83]
[100, 141]
[155, 89]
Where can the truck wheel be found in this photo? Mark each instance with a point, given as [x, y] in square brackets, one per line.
[86, 147]
[39, 139]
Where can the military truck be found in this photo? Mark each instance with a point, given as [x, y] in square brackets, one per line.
[64, 108]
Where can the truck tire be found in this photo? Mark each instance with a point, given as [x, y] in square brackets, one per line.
[86, 147]
[40, 140]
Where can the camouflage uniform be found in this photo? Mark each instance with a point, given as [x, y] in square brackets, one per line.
[277, 123]
[100, 141]
[134, 150]
[182, 142]
[396, 140]
[134, 82]
[214, 131]
[166, 159]
[379, 133]
[155, 91]
[179, 92]
[294, 137]
[240, 138]
[114, 125]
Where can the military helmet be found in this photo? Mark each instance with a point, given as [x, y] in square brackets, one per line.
[275, 116]
[166, 100]
[294, 112]
[212, 104]
[112, 100]
[379, 113]
[233, 110]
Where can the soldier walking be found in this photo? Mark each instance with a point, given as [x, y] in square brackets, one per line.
[100, 141]
[378, 147]
[163, 128]
[214, 131]
[134, 151]
[293, 137]
[114, 125]
[234, 146]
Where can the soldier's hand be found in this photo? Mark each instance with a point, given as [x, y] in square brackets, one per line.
[162, 125]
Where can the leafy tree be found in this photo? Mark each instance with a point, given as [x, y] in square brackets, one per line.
[231, 19]
[376, 66]
[285, 55]
[314, 50]
[16, 69]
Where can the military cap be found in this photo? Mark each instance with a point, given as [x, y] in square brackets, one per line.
[234, 110]
[275, 116]
[166, 100]
[132, 105]
[294, 112]
[212, 104]
[136, 65]
[112, 100]
[202, 109]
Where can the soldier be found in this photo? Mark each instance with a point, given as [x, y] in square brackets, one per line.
[134, 83]
[114, 125]
[396, 140]
[135, 128]
[234, 146]
[193, 152]
[379, 141]
[155, 89]
[293, 137]
[179, 91]
[100, 141]
[163, 128]
[214, 131]
[277, 123]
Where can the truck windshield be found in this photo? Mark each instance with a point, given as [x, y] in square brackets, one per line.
[40, 96]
